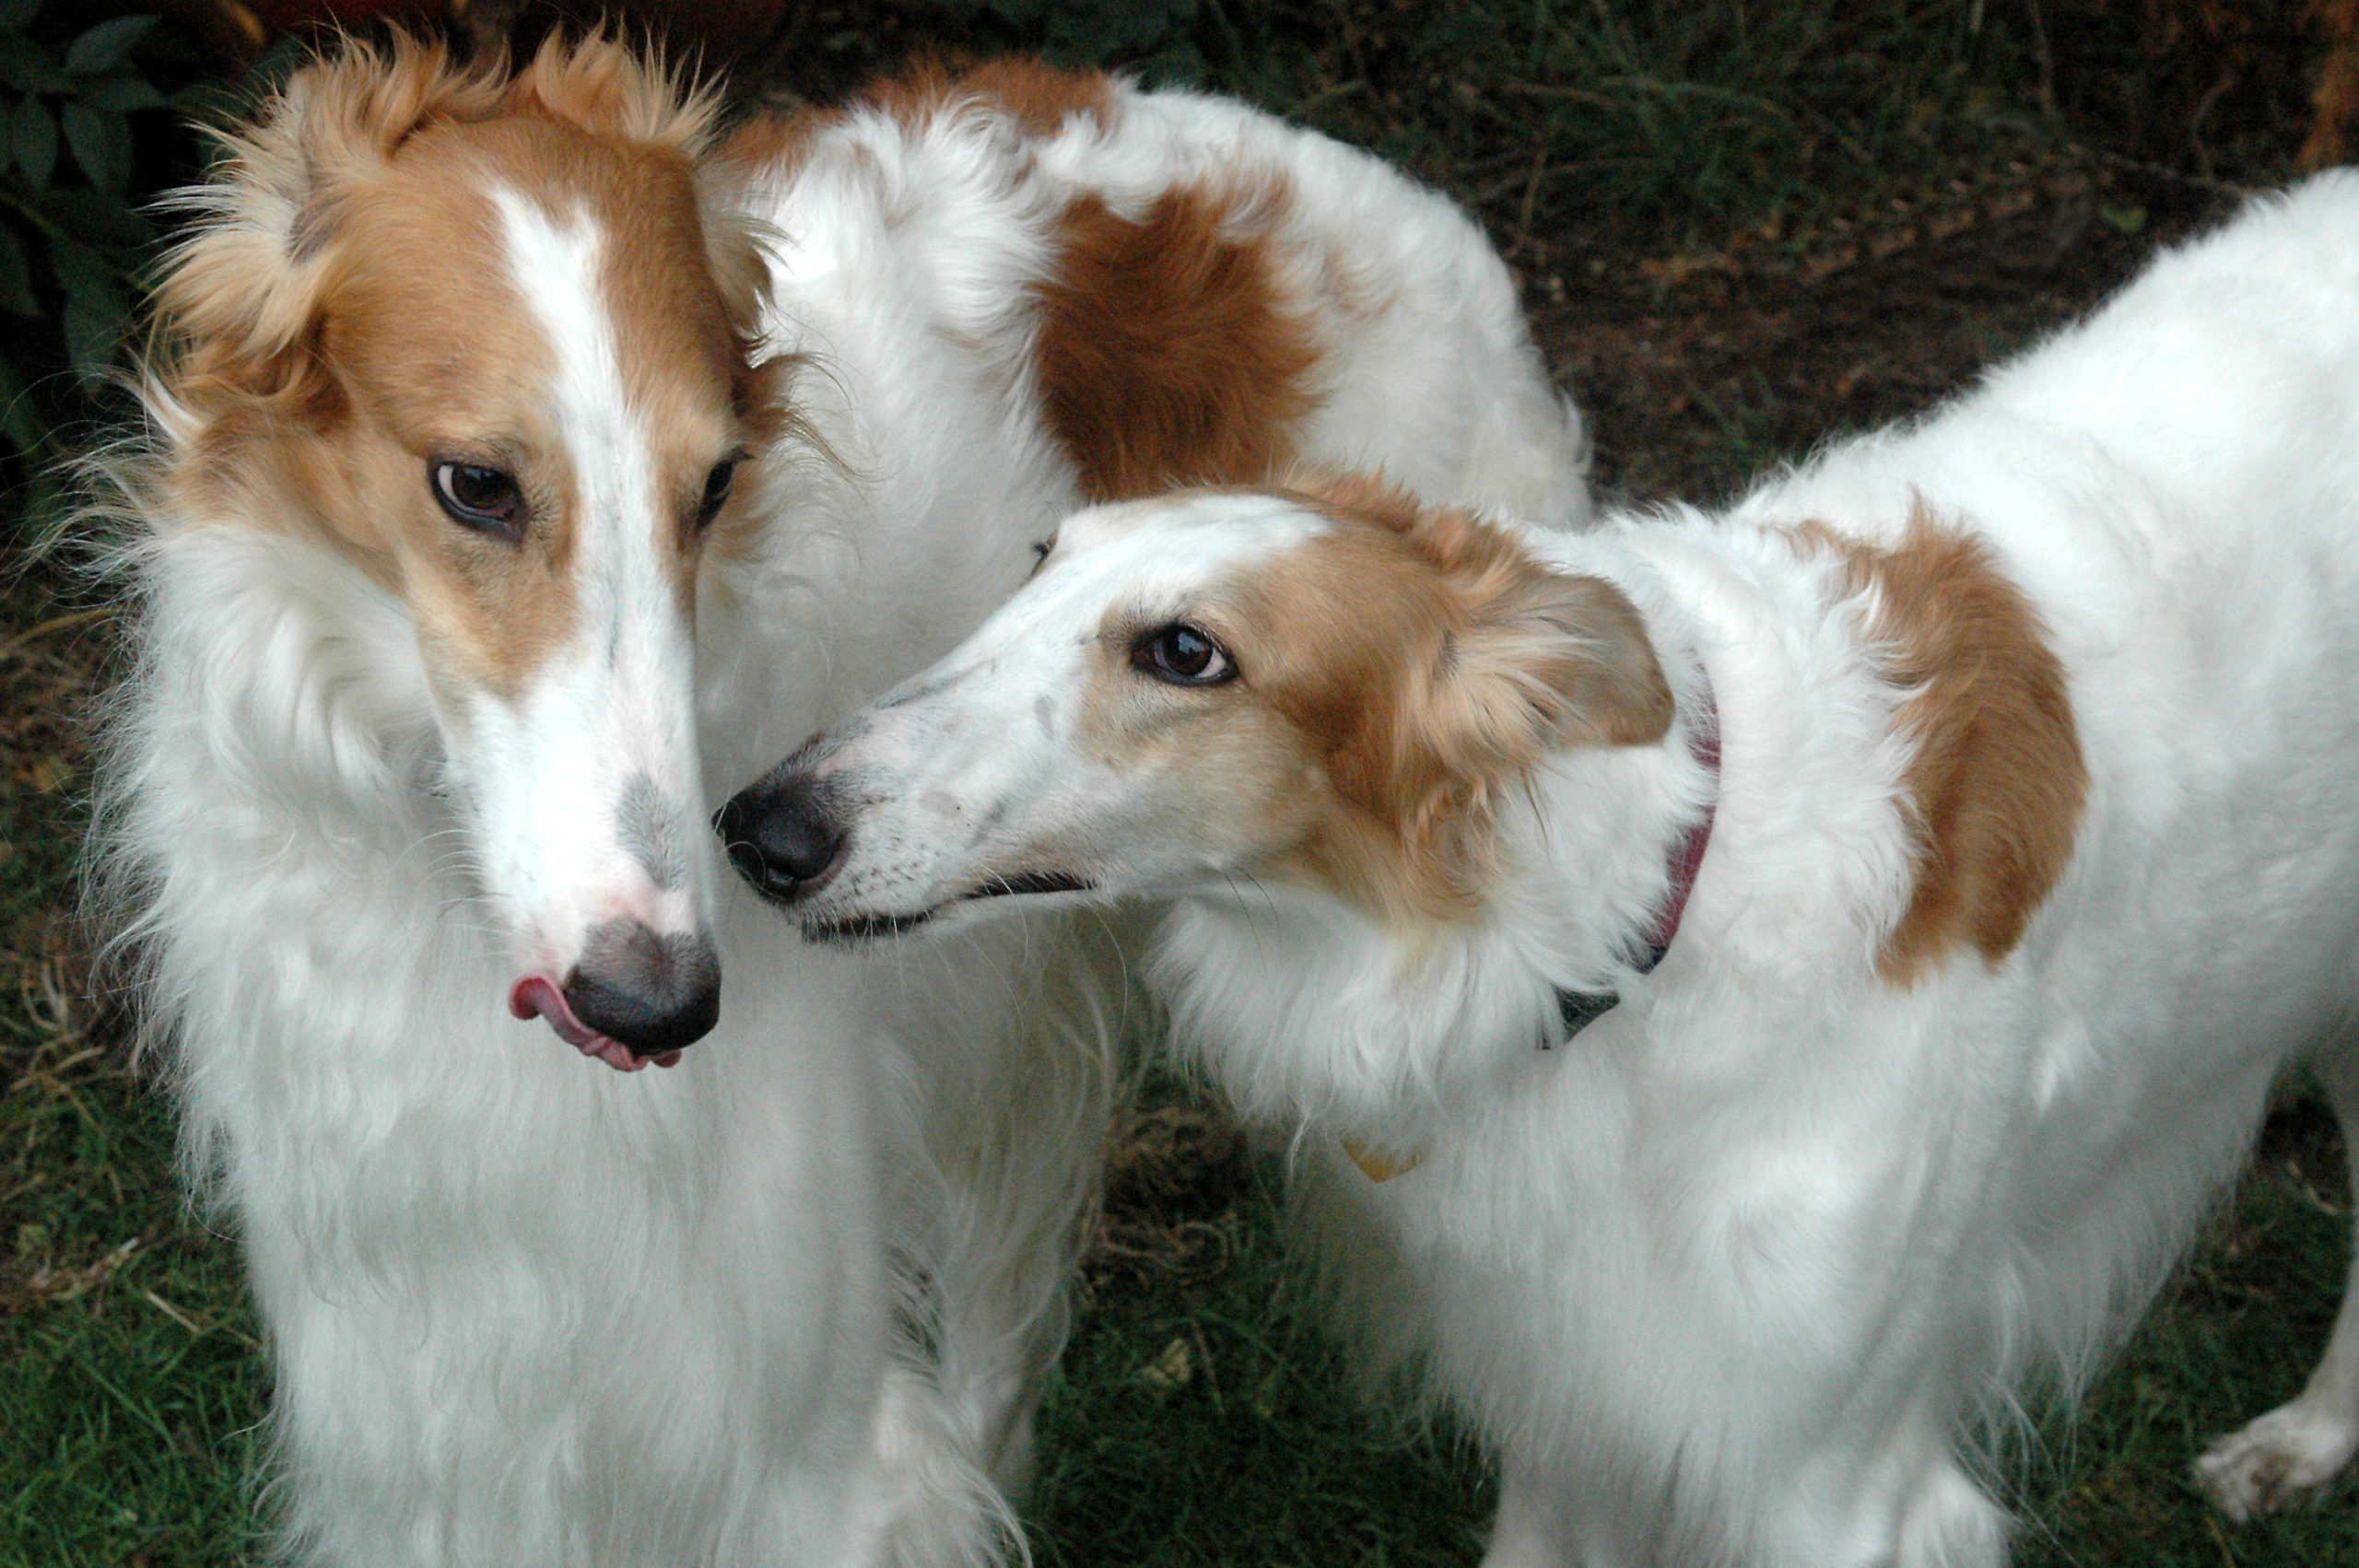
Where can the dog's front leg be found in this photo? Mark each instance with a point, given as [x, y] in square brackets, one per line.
[1525, 1533]
[2303, 1444]
[1532, 1530]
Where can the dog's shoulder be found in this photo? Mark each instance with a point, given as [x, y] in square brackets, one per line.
[1996, 784]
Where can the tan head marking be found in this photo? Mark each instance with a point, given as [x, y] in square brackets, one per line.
[1403, 672]
[346, 313]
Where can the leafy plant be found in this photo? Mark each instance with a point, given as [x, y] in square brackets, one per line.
[69, 236]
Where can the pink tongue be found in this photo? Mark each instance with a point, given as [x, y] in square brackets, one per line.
[538, 996]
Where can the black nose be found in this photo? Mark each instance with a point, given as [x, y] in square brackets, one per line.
[781, 836]
[653, 993]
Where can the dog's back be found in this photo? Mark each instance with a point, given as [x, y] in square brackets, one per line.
[2175, 485]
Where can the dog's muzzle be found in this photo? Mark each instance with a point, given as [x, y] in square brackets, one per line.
[782, 836]
[635, 996]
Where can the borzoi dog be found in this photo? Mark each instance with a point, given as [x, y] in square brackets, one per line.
[1749, 986]
[497, 422]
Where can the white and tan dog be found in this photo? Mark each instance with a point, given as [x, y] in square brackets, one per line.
[524, 456]
[1752, 985]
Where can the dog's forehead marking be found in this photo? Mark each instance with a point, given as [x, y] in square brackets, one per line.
[554, 268]
[558, 269]
[1147, 563]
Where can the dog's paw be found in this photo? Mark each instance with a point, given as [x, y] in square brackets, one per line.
[2287, 1452]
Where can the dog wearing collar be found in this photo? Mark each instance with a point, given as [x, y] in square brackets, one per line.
[1753, 989]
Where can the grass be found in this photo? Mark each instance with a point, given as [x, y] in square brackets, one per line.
[1679, 185]
[1256, 1452]
[1199, 1374]
[130, 1375]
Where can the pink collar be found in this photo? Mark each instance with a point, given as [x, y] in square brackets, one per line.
[1688, 858]
[1578, 1009]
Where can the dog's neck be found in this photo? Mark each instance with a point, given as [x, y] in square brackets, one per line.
[1309, 1008]
[1577, 1009]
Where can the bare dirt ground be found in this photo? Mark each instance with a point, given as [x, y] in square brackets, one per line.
[1696, 370]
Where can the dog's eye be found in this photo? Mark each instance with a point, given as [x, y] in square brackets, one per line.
[1040, 548]
[1182, 655]
[479, 496]
[716, 489]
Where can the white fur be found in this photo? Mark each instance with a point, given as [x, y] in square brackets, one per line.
[1732, 1276]
[546, 773]
[523, 1310]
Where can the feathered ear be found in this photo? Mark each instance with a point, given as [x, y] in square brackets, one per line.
[1542, 660]
[1497, 660]
[239, 299]
[1534, 661]
[1530, 659]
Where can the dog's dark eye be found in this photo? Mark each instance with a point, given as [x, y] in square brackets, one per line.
[1183, 656]
[479, 496]
[1040, 548]
[716, 489]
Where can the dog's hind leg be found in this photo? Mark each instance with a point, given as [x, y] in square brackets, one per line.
[2303, 1443]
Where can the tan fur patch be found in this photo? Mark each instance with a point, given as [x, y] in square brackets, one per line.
[1435, 664]
[1166, 352]
[1998, 782]
[345, 316]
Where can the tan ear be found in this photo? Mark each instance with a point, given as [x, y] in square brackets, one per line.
[240, 298]
[1470, 662]
[1536, 661]
[1540, 661]
[604, 88]
[1550, 661]
[1532, 660]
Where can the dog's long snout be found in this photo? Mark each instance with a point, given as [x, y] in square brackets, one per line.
[782, 836]
[653, 994]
